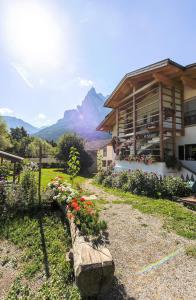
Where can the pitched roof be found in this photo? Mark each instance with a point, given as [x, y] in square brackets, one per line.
[151, 67]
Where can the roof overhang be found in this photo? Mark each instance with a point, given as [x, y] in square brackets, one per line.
[108, 123]
[167, 67]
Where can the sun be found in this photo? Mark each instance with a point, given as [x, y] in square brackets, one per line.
[33, 34]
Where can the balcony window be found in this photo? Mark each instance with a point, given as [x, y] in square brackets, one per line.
[190, 152]
[190, 112]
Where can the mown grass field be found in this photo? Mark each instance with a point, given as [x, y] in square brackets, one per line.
[49, 174]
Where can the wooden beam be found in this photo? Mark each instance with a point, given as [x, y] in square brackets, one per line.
[143, 88]
[174, 122]
[134, 123]
[188, 81]
[163, 79]
[161, 122]
[117, 121]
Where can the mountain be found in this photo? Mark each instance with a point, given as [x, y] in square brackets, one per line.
[13, 122]
[83, 120]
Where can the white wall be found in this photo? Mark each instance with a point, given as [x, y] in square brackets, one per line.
[158, 167]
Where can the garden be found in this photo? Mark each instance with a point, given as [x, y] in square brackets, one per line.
[38, 229]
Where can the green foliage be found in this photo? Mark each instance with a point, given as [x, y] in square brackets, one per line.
[33, 149]
[73, 163]
[5, 142]
[28, 233]
[63, 149]
[29, 186]
[85, 216]
[147, 184]
[191, 251]
[5, 169]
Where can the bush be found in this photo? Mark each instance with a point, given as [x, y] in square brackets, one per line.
[29, 186]
[148, 184]
[5, 170]
[174, 186]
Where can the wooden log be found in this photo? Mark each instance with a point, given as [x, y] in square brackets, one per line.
[93, 265]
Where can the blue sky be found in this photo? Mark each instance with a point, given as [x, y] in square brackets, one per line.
[52, 52]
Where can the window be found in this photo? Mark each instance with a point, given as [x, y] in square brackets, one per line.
[190, 112]
[109, 163]
[181, 152]
[103, 163]
[105, 151]
[190, 152]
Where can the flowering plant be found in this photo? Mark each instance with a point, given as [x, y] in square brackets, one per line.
[61, 191]
[85, 215]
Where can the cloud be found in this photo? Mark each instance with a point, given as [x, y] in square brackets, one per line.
[4, 111]
[42, 120]
[23, 74]
[85, 82]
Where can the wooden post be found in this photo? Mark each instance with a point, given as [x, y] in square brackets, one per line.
[161, 122]
[134, 122]
[93, 265]
[117, 121]
[40, 174]
[173, 122]
[14, 173]
[1, 160]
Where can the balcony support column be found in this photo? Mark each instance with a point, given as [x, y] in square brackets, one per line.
[134, 122]
[161, 122]
[173, 122]
[117, 121]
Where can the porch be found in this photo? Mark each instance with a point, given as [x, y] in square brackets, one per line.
[148, 122]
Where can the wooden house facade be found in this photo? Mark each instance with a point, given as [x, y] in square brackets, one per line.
[153, 109]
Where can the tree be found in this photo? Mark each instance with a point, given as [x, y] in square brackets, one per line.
[65, 143]
[4, 136]
[73, 163]
[34, 146]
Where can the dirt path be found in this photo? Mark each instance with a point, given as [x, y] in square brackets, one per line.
[138, 240]
[9, 268]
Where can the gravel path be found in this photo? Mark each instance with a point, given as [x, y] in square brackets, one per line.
[138, 240]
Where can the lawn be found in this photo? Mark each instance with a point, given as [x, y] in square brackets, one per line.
[43, 239]
[175, 216]
[49, 174]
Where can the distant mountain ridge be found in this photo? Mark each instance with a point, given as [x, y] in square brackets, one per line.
[13, 122]
[83, 120]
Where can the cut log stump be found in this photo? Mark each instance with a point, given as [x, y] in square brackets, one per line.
[93, 265]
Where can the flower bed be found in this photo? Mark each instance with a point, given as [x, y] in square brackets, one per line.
[81, 210]
[93, 265]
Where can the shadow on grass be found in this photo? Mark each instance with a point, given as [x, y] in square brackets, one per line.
[36, 212]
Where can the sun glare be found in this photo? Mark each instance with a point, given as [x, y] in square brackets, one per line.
[33, 35]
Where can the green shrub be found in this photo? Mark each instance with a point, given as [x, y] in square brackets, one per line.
[29, 187]
[147, 184]
[5, 170]
[174, 186]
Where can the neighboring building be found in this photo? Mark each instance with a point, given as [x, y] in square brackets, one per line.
[93, 147]
[153, 118]
[106, 155]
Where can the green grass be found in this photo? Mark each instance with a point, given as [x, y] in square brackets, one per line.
[44, 241]
[49, 174]
[176, 217]
[191, 251]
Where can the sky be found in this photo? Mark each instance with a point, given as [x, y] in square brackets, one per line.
[53, 51]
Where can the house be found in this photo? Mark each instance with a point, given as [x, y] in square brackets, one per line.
[93, 148]
[106, 156]
[153, 119]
